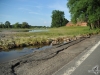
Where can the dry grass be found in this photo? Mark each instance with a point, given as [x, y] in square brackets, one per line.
[22, 39]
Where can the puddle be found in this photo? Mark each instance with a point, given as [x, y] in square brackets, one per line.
[15, 53]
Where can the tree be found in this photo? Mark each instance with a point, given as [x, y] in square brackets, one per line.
[17, 25]
[25, 25]
[1, 25]
[7, 24]
[85, 10]
[65, 21]
[58, 18]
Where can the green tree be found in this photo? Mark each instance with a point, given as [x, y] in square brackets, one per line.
[58, 18]
[1, 24]
[7, 24]
[17, 25]
[25, 25]
[85, 10]
[65, 21]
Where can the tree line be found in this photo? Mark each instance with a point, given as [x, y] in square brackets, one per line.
[85, 10]
[7, 24]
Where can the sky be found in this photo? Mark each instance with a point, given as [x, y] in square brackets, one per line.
[34, 12]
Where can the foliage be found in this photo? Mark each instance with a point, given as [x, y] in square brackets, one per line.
[7, 24]
[65, 21]
[25, 25]
[58, 18]
[22, 39]
[18, 25]
[2, 25]
[85, 10]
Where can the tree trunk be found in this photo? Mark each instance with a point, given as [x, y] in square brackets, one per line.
[98, 22]
[95, 25]
[91, 26]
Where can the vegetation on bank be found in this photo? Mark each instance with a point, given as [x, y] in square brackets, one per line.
[60, 32]
[14, 30]
[53, 35]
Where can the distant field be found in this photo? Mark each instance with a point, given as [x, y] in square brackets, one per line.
[12, 38]
[60, 32]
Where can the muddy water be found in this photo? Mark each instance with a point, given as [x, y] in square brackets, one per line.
[15, 53]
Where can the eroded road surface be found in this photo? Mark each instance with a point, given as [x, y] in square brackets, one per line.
[56, 60]
[87, 63]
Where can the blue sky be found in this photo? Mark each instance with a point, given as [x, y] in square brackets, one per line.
[35, 12]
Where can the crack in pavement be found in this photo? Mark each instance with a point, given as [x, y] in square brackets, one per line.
[13, 66]
[48, 56]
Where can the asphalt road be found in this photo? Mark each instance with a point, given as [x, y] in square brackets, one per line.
[87, 63]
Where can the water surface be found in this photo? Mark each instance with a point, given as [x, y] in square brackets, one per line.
[15, 53]
[38, 30]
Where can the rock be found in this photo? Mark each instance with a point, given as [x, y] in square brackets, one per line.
[54, 42]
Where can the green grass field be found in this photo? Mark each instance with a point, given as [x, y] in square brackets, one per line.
[60, 32]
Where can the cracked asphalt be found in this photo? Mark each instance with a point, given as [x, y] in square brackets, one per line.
[47, 62]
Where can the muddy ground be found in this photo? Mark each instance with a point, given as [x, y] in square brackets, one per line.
[47, 61]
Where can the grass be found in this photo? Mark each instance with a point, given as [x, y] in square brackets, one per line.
[60, 32]
[14, 30]
[22, 39]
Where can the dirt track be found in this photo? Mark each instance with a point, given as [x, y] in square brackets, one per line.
[46, 62]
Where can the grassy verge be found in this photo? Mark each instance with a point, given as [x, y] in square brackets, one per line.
[22, 39]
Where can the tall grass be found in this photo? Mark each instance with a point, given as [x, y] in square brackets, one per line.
[22, 39]
[62, 31]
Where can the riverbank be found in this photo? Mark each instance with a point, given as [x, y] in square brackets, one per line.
[11, 38]
[47, 61]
